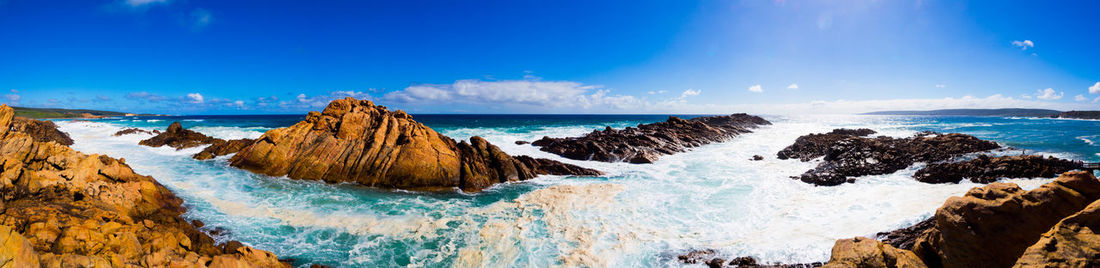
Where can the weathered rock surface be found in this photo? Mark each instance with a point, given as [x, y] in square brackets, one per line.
[1073, 242]
[904, 238]
[178, 137]
[43, 131]
[222, 147]
[357, 141]
[62, 208]
[132, 130]
[866, 252]
[847, 156]
[992, 226]
[985, 169]
[647, 142]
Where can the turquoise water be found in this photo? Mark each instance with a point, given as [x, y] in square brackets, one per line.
[637, 215]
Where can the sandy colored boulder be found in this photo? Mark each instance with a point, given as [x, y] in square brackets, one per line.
[992, 226]
[865, 252]
[1073, 242]
[360, 142]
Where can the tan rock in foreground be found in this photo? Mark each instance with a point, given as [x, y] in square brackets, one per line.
[62, 208]
[866, 252]
[1073, 242]
[357, 141]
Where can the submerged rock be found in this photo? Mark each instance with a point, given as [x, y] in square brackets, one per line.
[847, 156]
[178, 137]
[222, 147]
[647, 142]
[985, 169]
[63, 208]
[42, 131]
[360, 142]
[134, 130]
[992, 226]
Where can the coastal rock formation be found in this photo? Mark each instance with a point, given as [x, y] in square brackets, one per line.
[1092, 115]
[847, 155]
[222, 147]
[42, 131]
[985, 169]
[133, 130]
[1073, 242]
[866, 252]
[647, 142]
[358, 141]
[63, 208]
[992, 226]
[904, 238]
[179, 138]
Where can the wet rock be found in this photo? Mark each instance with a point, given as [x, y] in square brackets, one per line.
[992, 226]
[846, 156]
[178, 137]
[1073, 242]
[547, 166]
[647, 142]
[757, 157]
[985, 169]
[698, 256]
[812, 146]
[78, 210]
[222, 147]
[904, 238]
[522, 142]
[133, 130]
[866, 252]
[360, 142]
[710, 258]
[41, 131]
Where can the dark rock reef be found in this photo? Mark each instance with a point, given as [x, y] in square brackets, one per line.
[358, 141]
[222, 147]
[178, 137]
[847, 156]
[41, 131]
[133, 130]
[904, 238]
[712, 259]
[985, 169]
[646, 142]
[63, 208]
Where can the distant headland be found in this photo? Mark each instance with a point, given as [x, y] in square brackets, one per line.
[1020, 112]
[39, 113]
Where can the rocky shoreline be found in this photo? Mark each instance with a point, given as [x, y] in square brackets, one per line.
[647, 142]
[63, 208]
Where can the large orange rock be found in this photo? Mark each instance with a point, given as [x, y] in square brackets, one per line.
[358, 141]
[63, 208]
[1073, 242]
[992, 226]
[866, 252]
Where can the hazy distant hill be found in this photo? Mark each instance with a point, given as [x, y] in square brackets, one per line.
[61, 113]
[1079, 115]
[976, 112]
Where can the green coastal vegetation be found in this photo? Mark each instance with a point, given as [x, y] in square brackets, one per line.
[40, 113]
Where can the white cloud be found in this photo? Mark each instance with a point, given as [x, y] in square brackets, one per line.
[690, 92]
[657, 92]
[17, 91]
[13, 98]
[1094, 89]
[200, 18]
[1024, 45]
[140, 3]
[303, 101]
[530, 93]
[940, 86]
[756, 88]
[1097, 99]
[1048, 94]
[194, 98]
[792, 86]
[1080, 97]
[150, 97]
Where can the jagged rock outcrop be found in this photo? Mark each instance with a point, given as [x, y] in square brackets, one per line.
[904, 238]
[647, 142]
[992, 226]
[43, 131]
[134, 130]
[360, 142]
[985, 169]
[222, 147]
[866, 252]
[848, 156]
[178, 137]
[63, 208]
[1073, 242]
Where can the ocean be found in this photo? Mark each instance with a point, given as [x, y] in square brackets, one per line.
[711, 197]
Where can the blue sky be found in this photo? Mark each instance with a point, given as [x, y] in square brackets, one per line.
[259, 57]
